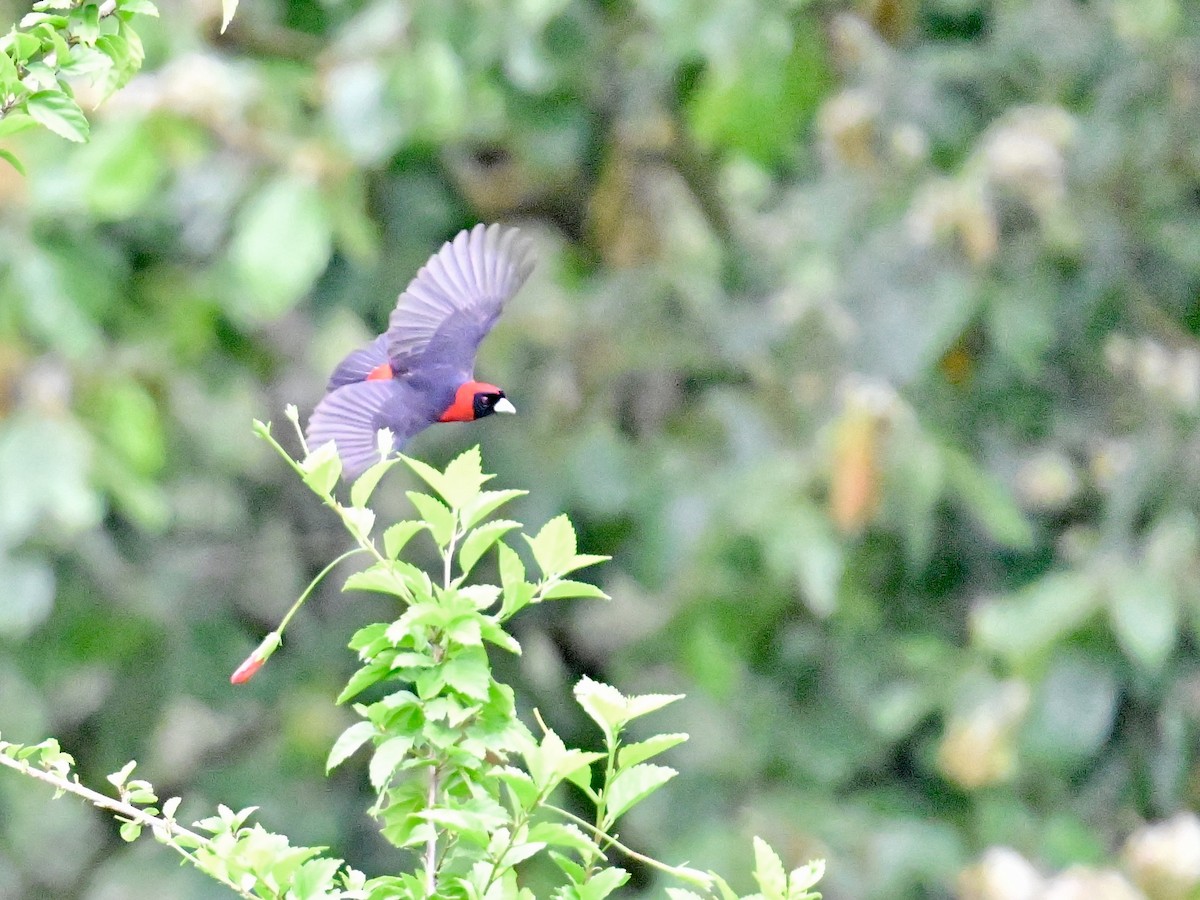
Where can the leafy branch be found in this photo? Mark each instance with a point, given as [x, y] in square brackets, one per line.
[60, 43]
[459, 780]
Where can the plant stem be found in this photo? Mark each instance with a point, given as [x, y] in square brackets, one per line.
[165, 830]
[432, 842]
[613, 842]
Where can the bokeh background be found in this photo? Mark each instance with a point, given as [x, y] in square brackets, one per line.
[863, 337]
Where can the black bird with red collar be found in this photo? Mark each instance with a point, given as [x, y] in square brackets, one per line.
[422, 369]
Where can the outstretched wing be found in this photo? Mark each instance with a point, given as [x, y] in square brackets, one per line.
[352, 415]
[359, 364]
[454, 300]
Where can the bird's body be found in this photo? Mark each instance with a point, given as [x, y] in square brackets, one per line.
[421, 370]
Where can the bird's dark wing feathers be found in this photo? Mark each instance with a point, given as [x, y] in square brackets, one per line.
[453, 301]
[359, 364]
[352, 415]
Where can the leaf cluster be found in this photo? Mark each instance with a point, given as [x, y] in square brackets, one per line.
[59, 42]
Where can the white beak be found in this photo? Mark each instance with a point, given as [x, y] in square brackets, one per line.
[503, 405]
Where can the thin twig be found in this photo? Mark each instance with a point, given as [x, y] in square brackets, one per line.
[166, 830]
[613, 842]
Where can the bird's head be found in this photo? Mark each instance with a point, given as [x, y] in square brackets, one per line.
[474, 400]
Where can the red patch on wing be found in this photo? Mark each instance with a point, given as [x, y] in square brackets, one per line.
[463, 407]
[382, 372]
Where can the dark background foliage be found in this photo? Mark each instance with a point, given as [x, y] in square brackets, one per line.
[863, 337]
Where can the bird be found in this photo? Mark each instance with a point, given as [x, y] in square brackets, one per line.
[422, 369]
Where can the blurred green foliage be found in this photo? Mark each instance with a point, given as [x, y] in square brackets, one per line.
[863, 338]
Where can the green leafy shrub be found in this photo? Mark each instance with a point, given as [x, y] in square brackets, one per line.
[458, 778]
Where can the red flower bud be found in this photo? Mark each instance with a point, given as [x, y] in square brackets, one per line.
[255, 660]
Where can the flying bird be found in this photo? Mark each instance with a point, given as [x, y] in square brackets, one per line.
[422, 369]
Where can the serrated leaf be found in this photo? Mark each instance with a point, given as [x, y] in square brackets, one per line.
[371, 673]
[387, 758]
[486, 503]
[603, 703]
[428, 474]
[558, 834]
[360, 520]
[640, 705]
[492, 632]
[805, 877]
[554, 546]
[469, 674]
[439, 517]
[380, 579]
[365, 484]
[481, 595]
[566, 590]
[398, 535]
[59, 113]
[633, 785]
[769, 871]
[321, 469]
[479, 541]
[348, 742]
[367, 635]
[632, 754]
[464, 479]
[603, 883]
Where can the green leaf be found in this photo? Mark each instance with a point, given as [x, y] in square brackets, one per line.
[1023, 624]
[138, 7]
[632, 754]
[117, 779]
[12, 161]
[464, 479]
[282, 240]
[479, 541]
[370, 674]
[1145, 616]
[988, 500]
[558, 834]
[428, 474]
[85, 22]
[387, 758]
[554, 546]
[564, 590]
[398, 535]
[383, 580]
[365, 484]
[603, 883]
[486, 503]
[58, 112]
[468, 673]
[639, 705]
[348, 742]
[769, 871]
[603, 703]
[321, 469]
[440, 519]
[130, 831]
[805, 877]
[611, 710]
[633, 785]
